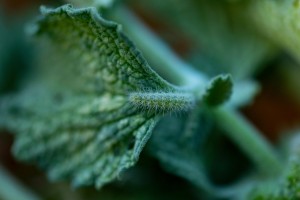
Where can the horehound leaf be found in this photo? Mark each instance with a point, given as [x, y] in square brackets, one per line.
[80, 123]
[94, 54]
[88, 139]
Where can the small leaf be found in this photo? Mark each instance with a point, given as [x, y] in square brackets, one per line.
[76, 120]
[218, 91]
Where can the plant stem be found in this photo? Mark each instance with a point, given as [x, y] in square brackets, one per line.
[11, 189]
[237, 128]
[249, 139]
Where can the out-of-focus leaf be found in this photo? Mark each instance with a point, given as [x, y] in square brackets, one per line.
[182, 150]
[92, 55]
[220, 31]
[243, 93]
[80, 123]
[287, 186]
[176, 143]
[279, 21]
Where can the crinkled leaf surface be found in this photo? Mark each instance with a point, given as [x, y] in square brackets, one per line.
[94, 54]
[87, 139]
[75, 120]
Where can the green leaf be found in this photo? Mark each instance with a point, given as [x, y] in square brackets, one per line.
[183, 148]
[218, 91]
[88, 139]
[78, 119]
[271, 16]
[94, 54]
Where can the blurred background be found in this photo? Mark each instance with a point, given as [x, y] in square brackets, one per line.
[275, 110]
